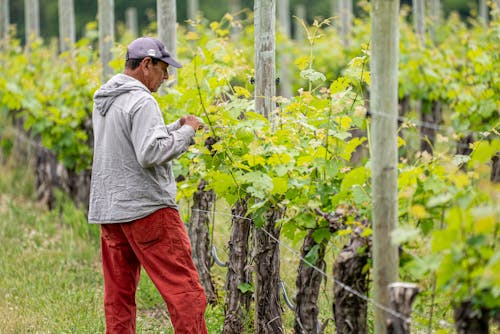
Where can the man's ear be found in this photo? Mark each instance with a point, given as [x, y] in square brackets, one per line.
[146, 62]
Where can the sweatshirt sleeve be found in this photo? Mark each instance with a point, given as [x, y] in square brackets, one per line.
[153, 143]
[174, 126]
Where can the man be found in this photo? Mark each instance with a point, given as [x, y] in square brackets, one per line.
[133, 194]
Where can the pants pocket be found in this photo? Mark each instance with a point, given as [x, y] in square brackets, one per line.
[149, 230]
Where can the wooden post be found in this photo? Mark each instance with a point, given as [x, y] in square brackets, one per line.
[32, 20]
[284, 17]
[419, 20]
[131, 22]
[265, 46]
[285, 88]
[334, 8]
[66, 25]
[435, 15]
[4, 23]
[106, 18]
[345, 12]
[235, 8]
[483, 13]
[402, 296]
[384, 108]
[268, 312]
[300, 12]
[167, 28]
[192, 9]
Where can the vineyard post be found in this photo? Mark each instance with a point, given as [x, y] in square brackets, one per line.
[192, 9]
[435, 15]
[167, 20]
[32, 20]
[66, 25]
[334, 9]
[345, 27]
[235, 8]
[4, 23]
[384, 108]
[268, 311]
[419, 20]
[284, 59]
[131, 21]
[300, 13]
[106, 20]
[265, 86]
[483, 13]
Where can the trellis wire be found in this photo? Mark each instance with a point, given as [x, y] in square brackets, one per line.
[341, 284]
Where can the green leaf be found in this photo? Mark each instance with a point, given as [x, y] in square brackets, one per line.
[312, 75]
[312, 256]
[459, 159]
[339, 85]
[260, 184]
[404, 234]
[359, 195]
[280, 185]
[321, 234]
[357, 176]
[245, 287]
[483, 152]
[439, 200]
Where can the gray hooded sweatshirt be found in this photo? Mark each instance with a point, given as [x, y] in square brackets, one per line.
[133, 151]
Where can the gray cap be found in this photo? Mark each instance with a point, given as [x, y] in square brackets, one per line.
[150, 47]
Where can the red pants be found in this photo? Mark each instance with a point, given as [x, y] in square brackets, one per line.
[160, 244]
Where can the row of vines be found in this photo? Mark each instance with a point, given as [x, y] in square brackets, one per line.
[310, 166]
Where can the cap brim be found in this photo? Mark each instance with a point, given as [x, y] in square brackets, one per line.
[171, 61]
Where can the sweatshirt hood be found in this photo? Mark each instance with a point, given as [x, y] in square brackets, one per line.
[116, 86]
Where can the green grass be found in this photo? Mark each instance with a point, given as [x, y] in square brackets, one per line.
[50, 269]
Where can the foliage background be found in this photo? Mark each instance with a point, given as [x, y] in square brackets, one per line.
[211, 9]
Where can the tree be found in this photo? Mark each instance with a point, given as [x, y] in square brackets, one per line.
[384, 108]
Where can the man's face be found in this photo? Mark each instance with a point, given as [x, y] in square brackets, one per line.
[155, 74]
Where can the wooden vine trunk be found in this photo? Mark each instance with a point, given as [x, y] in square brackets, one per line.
[468, 320]
[495, 168]
[308, 285]
[350, 311]
[199, 234]
[49, 175]
[430, 116]
[238, 272]
[402, 296]
[268, 310]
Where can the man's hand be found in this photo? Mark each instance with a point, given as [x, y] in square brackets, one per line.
[192, 121]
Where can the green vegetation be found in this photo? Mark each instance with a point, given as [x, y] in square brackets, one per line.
[301, 159]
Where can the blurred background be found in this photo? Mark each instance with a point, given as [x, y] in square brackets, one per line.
[209, 9]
